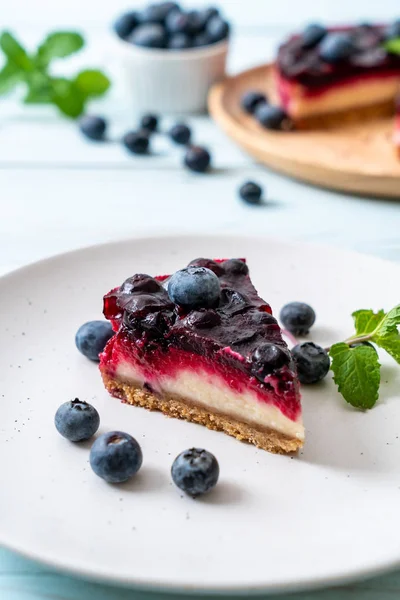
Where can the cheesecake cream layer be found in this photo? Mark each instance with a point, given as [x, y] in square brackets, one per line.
[211, 392]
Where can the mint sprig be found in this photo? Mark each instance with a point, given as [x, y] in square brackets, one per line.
[356, 369]
[393, 46]
[69, 95]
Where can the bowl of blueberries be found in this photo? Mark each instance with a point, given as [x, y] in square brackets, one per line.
[169, 57]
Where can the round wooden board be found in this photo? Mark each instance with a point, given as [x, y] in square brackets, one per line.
[357, 158]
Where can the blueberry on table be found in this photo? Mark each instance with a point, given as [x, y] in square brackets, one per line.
[197, 159]
[251, 99]
[126, 23]
[149, 122]
[179, 41]
[177, 22]
[217, 29]
[251, 192]
[77, 420]
[136, 142]
[271, 117]
[91, 338]
[149, 36]
[297, 317]
[312, 362]
[92, 127]
[180, 133]
[195, 471]
[157, 13]
[194, 287]
[267, 358]
[336, 46]
[116, 456]
[312, 35]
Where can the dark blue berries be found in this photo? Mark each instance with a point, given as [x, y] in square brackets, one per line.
[91, 338]
[297, 317]
[179, 41]
[268, 358]
[125, 24]
[136, 142]
[195, 471]
[149, 122]
[93, 127]
[180, 133]
[271, 117]
[336, 46]
[197, 159]
[312, 35]
[251, 99]
[251, 192]
[77, 420]
[312, 362]
[194, 287]
[393, 30]
[150, 35]
[217, 29]
[116, 456]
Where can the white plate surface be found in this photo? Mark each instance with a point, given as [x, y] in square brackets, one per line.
[273, 522]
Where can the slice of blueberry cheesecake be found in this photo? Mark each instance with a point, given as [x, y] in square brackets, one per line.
[201, 345]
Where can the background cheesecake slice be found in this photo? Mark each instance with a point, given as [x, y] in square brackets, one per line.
[225, 367]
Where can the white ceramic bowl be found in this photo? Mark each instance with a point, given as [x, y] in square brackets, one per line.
[170, 81]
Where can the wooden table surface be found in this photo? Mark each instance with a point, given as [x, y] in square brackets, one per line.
[60, 192]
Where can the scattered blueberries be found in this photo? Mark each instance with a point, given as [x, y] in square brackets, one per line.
[194, 287]
[297, 317]
[251, 192]
[180, 133]
[195, 471]
[77, 420]
[312, 35]
[197, 159]
[267, 358]
[116, 456]
[271, 117]
[149, 122]
[92, 127]
[251, 99]
[136, 142]
[91, 338]
[336, 46]
[312, 362]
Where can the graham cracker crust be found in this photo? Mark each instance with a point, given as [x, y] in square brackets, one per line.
[173, 406]
[346, 117]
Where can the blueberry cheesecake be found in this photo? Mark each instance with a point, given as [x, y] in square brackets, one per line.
[201, 345]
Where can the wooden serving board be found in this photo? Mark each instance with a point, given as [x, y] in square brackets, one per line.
[357, 158]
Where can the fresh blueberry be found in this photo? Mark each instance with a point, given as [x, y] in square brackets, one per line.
[197, 159]
[77, 420]
[149, 122]
[393, 30]
[251, 99]
[312, 362]
[179, 41]
[136, 142]
[194, 287]
[157, 13]
[177, 22]
[312, 35]
[336, 46]
[235, 266]
[126, 23]
[93, 127]
[195, 471]
[197, 21]
[150, 35]
[116, 456]
[267, 358]
[201, 39]
[297, 317]
[251, 192]
[271, 117]
[217, 29]
[91, 338]
[210, 12]
[180, 133]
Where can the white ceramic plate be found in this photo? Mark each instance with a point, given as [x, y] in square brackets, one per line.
[273, 522]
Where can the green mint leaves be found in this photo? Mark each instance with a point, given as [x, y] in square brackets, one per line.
[356, 370]
[70, 95]
[393, 46]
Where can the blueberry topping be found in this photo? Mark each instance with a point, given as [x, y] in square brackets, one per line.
[297, 317]
[180, 133]
[271, 117]
[77, 420]
[125, 24]
[336, 47]
[312, 35]
[195, 471]
[149, 36]
[137, 142]
[116, 456]
[203, 319]
[312, 362]
[261, 317]
[235, 266]
[251, 192]
[158, 13]
[93, 127]
[177, 22]
[194, 287]
[91, 338]
[268, 358]
[233, 302]
[140, 283]
[251, 99]
[197, 159]
[217, 29]
[393, 30]
[149, 122]
[179, 41]
[201, 39]
[217, 268]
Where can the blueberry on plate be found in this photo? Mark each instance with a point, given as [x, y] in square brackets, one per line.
[271, 117]
[92, 127]
[77, 420]
[116, 456]
[194, 287]
[336, 46]
[251, 99]
[195, 471]
[312, 362]
[312, 35]
[180, 133]
[126, 23]
[267, 358]
[157, 13]
[136, 142]
[149, 122]
[235, 266]
[177, 22]
[179, 41]
[149, 35]
[197, 159]
[297, 317]
[251, 192]
[217, 29]
[91, 338]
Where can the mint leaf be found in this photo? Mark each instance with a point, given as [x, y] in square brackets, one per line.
[58, 45]
[10, 75]
[356, 373]
[68, 97]
[92, 82]
[15, 53]
[366, 321]
[391, 343]
[390, 322]
[393, 46]
[39, 89]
